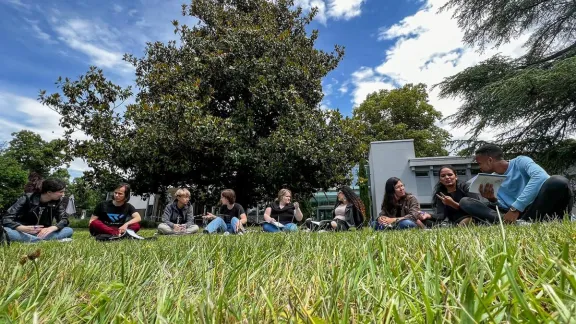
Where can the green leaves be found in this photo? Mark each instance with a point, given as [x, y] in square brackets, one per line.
[233, 105]
[403, 113]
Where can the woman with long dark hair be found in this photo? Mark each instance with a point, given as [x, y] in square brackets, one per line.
[348, 212]
[447, 195]
[400, 210]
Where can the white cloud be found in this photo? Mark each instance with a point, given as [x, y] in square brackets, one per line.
[344, 9]
[99, 42]
[39, 33]
[428, 48]
[117, 8]
[18, 4]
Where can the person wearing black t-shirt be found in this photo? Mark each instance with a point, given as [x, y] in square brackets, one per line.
[282, 211]
[31, 218]
[447, 195]
[115, 216]
[231, 218]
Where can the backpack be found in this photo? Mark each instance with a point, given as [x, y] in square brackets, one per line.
[4, 239]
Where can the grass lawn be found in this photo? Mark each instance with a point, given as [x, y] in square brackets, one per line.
[444, 275]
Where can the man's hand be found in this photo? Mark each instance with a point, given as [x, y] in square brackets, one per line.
[296, 205]
[511, 216]
[122, 229]
[487, 191]
[209, 216]
[45, 231]
[30, 229]
[424, 216]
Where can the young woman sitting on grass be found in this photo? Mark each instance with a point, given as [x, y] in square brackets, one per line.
[178, 217]
[114, 217]
[400, 210]
[231, 218]
[348, 212]
[447, 195]
[284, 212]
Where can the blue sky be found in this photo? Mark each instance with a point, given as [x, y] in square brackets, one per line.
[388, 43]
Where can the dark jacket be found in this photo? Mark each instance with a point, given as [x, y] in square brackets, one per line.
[409, 208]
[352, 215]
[441, 210]
[173, 215]
[27, 211]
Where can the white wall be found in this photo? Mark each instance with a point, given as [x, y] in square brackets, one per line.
[390, 159]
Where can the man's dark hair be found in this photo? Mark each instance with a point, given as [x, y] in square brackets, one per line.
[492, 150]
[52, 185]
[126, 190]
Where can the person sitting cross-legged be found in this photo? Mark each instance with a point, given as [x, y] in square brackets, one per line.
[528, 193]
[400, 210]
[31, 218]
[178, 217]
[282, 214]
[348, 213]
[114, 217]
[231, 219]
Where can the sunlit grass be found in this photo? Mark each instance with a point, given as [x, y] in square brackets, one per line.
[450, 275]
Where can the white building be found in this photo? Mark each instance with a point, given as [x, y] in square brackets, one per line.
[397, 159]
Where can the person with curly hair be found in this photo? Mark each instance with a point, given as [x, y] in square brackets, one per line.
[348, 212]
[400, 210]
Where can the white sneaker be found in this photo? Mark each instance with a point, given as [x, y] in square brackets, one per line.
[65, 240]
[226, 233]
[239, 233]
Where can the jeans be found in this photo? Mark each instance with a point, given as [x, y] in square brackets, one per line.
[166, 230]
[553, 201]
[271, 228]
[219, 225]
[403, 224]
[17, 236]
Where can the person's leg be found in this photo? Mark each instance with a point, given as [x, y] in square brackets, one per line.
[165, 229]
[192, 229]
[377, 226]
[554, 200]
[66, 232]
[290, 227]
[134, 227]
[341, 226]
[464, 221]
[406, 224]
[270, 228]
[98, 227]
[17, 236]
[216, 225]
[478, 210]
[233, 223]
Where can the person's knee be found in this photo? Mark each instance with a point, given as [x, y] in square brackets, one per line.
[164, 229]
[406, 223]
[333, 224]
[192, 229]
[291, 227]
[557, 182]
[66, 232]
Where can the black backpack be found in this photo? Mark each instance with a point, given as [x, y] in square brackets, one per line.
[4, 239]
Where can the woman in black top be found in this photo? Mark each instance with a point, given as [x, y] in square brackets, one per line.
[348, 212]
[447, 194]
[282, 214]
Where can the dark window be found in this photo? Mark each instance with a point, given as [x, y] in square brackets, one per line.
[421, 173]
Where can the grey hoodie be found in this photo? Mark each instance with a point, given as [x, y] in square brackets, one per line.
[173, 215]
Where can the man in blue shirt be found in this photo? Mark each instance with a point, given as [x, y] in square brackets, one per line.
[527, 193]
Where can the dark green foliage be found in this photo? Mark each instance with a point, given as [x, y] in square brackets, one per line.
[234, 104]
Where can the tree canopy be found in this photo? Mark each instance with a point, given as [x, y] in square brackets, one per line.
[233, 104]
[403, 113]
[530, 101]
[34, 154]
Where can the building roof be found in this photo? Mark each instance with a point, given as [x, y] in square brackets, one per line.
[440, 160]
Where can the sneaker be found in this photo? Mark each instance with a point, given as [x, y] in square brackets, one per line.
[322, 231]
[65, 240]
[521, 222]
[239, 233]
[205, 232]
[226, 233]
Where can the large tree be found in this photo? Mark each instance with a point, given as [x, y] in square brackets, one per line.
[530, 101]
[234, 103]
[12, 181]
[403, 113]
[34, 154]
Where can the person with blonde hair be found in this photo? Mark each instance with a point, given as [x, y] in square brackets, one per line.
[231, 219]
[178, 217]
[282, 214]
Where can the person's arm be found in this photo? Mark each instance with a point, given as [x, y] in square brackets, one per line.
[267, 217]
[439, 215]
[97, 211]
[190, 217]
[166, 216]
[537, 177]
[9, 219]
[413, 210]
[297, 212]
[242, 215]
[92, 218]
[62, 216]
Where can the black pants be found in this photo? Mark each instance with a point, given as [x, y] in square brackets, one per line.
[553, 201]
